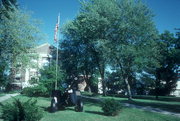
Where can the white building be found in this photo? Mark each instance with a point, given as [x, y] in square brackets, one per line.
[177, 91]
[41, 56]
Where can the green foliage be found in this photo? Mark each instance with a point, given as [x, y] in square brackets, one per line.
[130, 45]
[39, 90]
[18, 36]
[46, 82]
[19, 33]
[115, 82]
[33, 81]
[111, 107]
[3, 76]
[86, 37]
[48, 77]
[21, 111]
[166, 75]
[7, 6]
[116, 33]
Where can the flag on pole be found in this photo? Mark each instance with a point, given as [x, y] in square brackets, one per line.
[56, 29]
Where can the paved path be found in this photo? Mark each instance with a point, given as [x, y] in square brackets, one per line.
[7, 96]
[145, 108]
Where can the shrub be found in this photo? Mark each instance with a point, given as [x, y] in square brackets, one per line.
[33, 81]
[111, 107]
[21, 111]
[39, 90]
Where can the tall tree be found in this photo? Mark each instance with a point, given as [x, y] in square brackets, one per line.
[132, 46]
[76, 60]
[89, 30]
[18, 36]
[166, 75]
[117, 31]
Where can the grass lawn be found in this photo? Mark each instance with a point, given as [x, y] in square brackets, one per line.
[2, 94]
[171, 106]
[92, 112]
[148, 97]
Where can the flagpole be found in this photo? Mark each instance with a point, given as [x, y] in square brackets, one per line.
[56, 67]
[57, 52]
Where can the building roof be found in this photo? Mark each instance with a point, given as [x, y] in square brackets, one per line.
[43, 49]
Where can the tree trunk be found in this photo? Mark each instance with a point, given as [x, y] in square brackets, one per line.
[157, 88]
[101, 67]
[126, 82]
[103, 85]
[128, 89]
[86, 79]
[89, 89]
[11, 79]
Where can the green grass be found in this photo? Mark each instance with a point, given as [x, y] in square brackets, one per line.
[93, 112]
[171, 104]
[2, 94]
[148, 97]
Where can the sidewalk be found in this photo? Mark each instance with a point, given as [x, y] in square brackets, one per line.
[145, 108]
[7, 96]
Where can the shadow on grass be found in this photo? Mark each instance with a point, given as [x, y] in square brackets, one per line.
[91, 102]
[87, 103]
[49, 110]
[95, 112]
[70, 108]
[46, 109]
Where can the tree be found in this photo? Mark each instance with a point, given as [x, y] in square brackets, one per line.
[118, 33]
[115, 83]
[19, 34]
[89, 30]
[48, 77]
[132, 46]
[166, 75]
[7, 6]
[76, 60]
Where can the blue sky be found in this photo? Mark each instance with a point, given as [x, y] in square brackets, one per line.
[167, 13]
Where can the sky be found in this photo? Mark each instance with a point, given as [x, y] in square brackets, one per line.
[167, 14]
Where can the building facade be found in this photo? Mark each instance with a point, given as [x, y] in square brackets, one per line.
[41, 56]
[177, 90]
